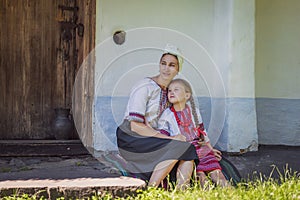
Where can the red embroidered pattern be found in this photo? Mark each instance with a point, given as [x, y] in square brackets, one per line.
[187, 121]
[137, 117]
[163, 102]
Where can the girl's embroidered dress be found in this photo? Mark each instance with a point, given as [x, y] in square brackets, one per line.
[146, 103]
[181, 122]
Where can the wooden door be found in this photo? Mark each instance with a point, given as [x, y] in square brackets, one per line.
[35, 77]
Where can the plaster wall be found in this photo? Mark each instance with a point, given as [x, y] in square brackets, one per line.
[217, 40]
[277, 71]
[241, 116]
[277, 49]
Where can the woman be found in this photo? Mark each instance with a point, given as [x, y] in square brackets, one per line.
[151, 155]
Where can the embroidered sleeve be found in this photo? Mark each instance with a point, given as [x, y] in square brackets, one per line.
[200, 118]
[136, 117]
[167, 123]
[206, 138]
[201, 126]
[137, 103]
[162, 131]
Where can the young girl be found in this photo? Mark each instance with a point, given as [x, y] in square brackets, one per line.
[185, 119]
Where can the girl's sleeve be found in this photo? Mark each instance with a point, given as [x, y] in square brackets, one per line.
[166, 124]
[137, 103]
[201, 125]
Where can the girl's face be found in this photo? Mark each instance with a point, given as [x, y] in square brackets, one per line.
[177, 93]
[168, 67]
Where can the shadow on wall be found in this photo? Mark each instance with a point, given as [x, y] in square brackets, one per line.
[109, 113]
[278, 121]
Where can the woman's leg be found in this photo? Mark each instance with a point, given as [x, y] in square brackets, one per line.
[184, 173]
[218, 177]
[160, 171]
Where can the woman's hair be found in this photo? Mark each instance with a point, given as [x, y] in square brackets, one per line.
[188, 89]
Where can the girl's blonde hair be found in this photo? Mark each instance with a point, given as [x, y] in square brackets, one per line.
[188, 89]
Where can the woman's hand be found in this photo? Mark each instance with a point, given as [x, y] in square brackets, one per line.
[179, 137]
[217, 154]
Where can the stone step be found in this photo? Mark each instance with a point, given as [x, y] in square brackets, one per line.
[80, 188]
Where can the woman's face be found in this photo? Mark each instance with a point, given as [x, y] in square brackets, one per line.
[168, 67]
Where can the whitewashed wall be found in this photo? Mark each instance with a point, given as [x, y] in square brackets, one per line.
[278, 71]
[217, 39]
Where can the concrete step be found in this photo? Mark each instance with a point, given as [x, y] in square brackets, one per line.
[72, 188]
[58, 168]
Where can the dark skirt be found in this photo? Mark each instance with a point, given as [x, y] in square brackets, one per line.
[144, 153]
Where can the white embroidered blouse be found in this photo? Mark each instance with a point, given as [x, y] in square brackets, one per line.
[147, 101]
[167, 123]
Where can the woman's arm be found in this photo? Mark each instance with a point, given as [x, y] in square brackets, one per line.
[144, 130]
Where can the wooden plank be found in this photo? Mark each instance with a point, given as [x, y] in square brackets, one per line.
[85, 93]
[3, 70]
[32, 78]
[25, 26]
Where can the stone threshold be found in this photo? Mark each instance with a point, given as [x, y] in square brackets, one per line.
[80, 188]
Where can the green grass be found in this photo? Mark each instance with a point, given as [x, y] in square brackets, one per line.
[262, 188]
[23, 197]
[285, 188]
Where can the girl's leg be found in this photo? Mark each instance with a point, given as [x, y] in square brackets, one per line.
[202, 178]
[218, 177]
[160, 171]
[184, 173]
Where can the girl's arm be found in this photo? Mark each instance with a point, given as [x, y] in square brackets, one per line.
[144, 130]
[217, 153]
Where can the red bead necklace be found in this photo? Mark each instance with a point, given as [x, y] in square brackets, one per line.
[186, 122]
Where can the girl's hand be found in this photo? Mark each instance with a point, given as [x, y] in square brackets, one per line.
[179, 137]
[217, 154]
[201, 142]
